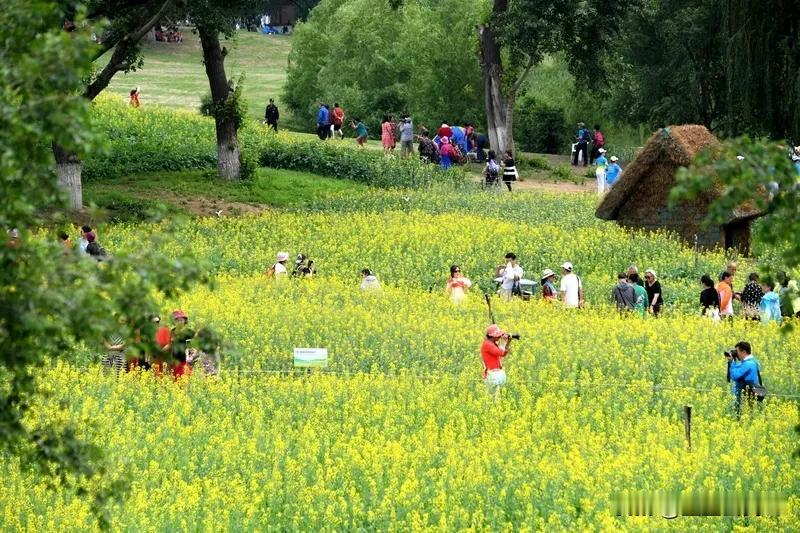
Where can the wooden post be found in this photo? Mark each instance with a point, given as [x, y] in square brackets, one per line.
[687, 424]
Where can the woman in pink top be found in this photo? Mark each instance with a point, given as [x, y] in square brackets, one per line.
[387, 134]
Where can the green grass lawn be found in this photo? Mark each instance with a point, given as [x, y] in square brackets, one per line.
[173, 73]
[199, 192]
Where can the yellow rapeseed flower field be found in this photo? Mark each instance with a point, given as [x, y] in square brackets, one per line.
[399, 433]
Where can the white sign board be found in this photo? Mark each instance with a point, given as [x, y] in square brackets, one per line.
[308, 357]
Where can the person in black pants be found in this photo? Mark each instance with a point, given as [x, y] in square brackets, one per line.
[271, 115]
[582, 145]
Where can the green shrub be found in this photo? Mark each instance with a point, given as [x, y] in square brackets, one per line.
[157, 139]
[149, 140]
[539, 127]
[336, 161]
[562, 173]
[532, 162]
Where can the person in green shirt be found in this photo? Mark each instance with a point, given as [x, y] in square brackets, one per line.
[361, 131]
[641, 294]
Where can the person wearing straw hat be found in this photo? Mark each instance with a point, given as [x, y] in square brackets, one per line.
[613, 171]
[571, 287]
[495, 347]
[279, 268]
[600, 171]
[549, 292]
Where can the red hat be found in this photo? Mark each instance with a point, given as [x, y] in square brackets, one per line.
[176, 314]
[494, 331]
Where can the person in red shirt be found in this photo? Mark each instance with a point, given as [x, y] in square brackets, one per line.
[338, 120]
[492, 352]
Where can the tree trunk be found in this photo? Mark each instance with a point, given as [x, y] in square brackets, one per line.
[497, 105]
[228, 160]
[68, 169]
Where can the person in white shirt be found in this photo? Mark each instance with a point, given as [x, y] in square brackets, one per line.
[571, 287]
[511, 273]
[279, 268]
[370, 281]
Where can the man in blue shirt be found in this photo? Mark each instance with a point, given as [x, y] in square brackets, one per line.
[323, 122]
[582, 139]
[743, 372]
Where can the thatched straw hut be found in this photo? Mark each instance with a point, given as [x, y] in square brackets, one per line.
[640, 199]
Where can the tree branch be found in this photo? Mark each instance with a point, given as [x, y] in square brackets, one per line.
[529, 64]
[119, 59]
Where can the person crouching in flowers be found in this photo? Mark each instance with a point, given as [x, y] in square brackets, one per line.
[495, 346]
[369, 281]
[279, 268]
[457, 285]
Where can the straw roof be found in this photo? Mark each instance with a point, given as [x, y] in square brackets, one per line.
[675, 146]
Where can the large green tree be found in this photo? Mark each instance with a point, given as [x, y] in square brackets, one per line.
[119, 27]
[519, 33]
[672, 53]
[731, 65]
[377, 57]
[51, 299]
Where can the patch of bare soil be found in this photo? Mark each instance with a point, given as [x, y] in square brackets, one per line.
[220, 208]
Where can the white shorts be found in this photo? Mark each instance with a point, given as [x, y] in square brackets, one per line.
[495, 379]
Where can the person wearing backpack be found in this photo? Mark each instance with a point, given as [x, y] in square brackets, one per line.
[279, 268]
[623, 294]
[581, 145]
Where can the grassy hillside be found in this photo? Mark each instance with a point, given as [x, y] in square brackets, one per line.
[173, 73]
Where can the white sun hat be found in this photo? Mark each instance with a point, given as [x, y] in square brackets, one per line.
[283, 256]
[614, 158]
[547, 273]
[567, 266]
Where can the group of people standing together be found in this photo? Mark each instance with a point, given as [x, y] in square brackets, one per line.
[607, 170]
[760, 301]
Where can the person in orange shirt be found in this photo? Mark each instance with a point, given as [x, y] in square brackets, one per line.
[495, 346]
[725, 291]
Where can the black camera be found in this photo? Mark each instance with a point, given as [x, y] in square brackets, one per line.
[731, 353]
[515, 336]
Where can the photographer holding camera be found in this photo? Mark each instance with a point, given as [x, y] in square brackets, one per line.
[745, 373]
[496, 345]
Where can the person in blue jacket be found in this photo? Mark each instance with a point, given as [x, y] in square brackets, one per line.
[743, 372]
[323, 122]
[769, 309]
[460, 139]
